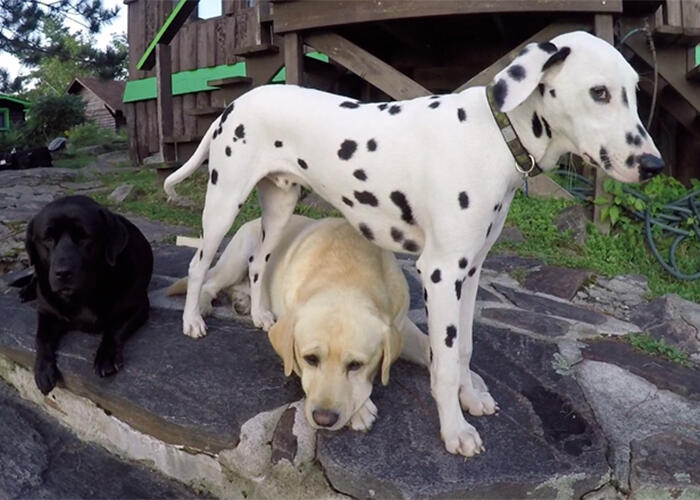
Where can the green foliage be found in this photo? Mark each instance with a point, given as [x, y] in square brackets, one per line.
[658, 347]
[91, 134]
[12, 138]
[50, 116]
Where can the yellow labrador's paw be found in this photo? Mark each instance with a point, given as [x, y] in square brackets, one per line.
[462, 439]
[364, 417]
[263, 319]
[193, 326]
[476, 402]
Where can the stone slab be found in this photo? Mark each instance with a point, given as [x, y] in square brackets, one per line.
[558, 281]
[530, 321]
[42, 459]
[504, 263]
[544, 433]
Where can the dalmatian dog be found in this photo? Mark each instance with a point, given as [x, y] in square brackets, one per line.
[432, 176]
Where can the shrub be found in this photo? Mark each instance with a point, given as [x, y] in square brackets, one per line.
[90, 134]
[50, 116]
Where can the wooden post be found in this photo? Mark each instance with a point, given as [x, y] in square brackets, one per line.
[165, 101]
[293, 59]
[603, 24]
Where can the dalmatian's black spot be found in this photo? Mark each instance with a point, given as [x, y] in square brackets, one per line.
[629, 138]
[605, 158]
[558, 57]
[347, 201]
[553, 92]
[366, 198]
[349, 105]
[394, 109]
[517, 72]
[426, 315]
[302, 163]
[500, 91]
[201, 254]
[240, 205]
[436, 276]
[240, 131]
[630, 161]
[637, 140]
[458, 289]
[471, 272]
[400, 201]
[540, 88]
[360, 174]
[547, 130]
[214, 176]
[463, 263]
[347, 149]
[228, 150]
[625, 101]
[463, 200]
[641, 131]
[488, 230]
[215, 134]
[366, 231]
[410, 246]
[425, 295]
[255, 278]
[451, 334]
[225, 114]
[278, 144]
[548, 47]
[434, 104]
[536, 125]
[495, 208]
[382, 106]
[371, 145]
[250, 259]
[435, 97]
[523, 51]
[396, 234]
[267, 257]
[461, 114]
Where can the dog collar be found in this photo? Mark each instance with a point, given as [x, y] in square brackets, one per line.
[525, 163]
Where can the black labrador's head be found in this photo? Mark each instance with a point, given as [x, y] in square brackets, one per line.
[71, 242]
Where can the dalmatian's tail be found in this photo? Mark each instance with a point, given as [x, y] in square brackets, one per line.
[190, 166]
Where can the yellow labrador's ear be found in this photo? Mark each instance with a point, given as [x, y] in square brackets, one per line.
[392, 349]
[281, 337]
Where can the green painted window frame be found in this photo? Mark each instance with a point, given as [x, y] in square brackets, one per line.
[4, 119]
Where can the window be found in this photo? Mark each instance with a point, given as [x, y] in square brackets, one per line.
[4, 119]
[208, 9]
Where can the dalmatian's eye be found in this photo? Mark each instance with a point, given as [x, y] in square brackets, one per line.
[600, 94]
[311, 359]
[354, 366]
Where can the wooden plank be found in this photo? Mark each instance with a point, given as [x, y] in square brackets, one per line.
[220, 34]
[691, 14]
[164, 100]
[130, 115]
[175, 53]
[545, 34]
[293, 59]
[178, 124]
[152, 118]
[305, 14]
[365, 65]
[142, 129]
[674, 13]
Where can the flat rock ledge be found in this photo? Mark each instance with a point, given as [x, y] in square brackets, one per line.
[218, 415]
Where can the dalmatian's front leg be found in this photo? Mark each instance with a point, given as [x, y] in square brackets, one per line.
[277, 205]
[439, 275]
[473, 393]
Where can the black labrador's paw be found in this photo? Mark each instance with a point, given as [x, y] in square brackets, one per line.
[46, 375]
[108, 360]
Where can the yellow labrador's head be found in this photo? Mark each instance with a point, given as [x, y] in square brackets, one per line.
[336, 347]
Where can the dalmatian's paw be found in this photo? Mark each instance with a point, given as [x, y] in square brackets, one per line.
[461, 438]
[364, 417]
[477, 402]
[193, 326]
[263, 319]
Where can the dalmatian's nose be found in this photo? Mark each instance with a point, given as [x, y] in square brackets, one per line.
[649, 166]
[325, 418]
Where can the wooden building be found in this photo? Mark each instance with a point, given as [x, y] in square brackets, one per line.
[103, 100]
[11, 112]
[183, 70]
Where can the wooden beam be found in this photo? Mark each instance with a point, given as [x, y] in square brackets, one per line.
[293, 59]
[366, 66]
[544, 35]
[164, 101]
[172, 24]
[305, 14]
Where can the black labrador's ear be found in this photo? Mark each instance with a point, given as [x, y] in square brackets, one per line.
[29, 243]
[117, 236]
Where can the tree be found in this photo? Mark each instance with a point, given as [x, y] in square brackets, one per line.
[10, 85]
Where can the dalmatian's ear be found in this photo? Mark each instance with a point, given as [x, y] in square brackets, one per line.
[520, 78]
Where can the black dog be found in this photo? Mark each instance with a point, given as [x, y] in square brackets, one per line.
[92, 268]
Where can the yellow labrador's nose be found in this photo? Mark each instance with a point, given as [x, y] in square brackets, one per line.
[325, 418]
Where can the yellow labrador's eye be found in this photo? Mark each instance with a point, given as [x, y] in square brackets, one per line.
[311, 359]
[354, 365]
[600, 94]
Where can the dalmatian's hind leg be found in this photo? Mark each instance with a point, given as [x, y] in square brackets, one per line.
[277, 204]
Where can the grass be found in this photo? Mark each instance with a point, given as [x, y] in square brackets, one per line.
[657, 347]
[622, 252]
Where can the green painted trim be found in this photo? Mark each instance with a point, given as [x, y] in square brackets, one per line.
[14, 99]
[148, 53]
[6, 113]
[697, 55]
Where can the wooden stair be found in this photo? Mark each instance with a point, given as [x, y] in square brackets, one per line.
[228, 89]
[676, 35]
